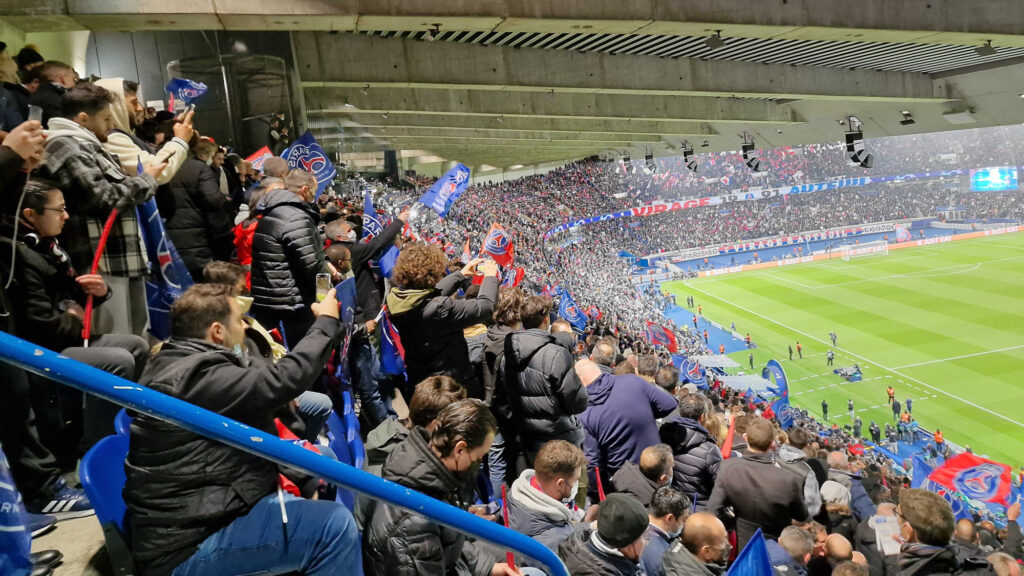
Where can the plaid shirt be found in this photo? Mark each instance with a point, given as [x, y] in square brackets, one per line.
[94, 184]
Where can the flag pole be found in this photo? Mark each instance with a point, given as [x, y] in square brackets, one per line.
[87, 320]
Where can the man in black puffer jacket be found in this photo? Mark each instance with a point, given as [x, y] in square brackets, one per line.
[544, 392]
[199, 222]
[287, 254]
[696, 454]
[197, 506]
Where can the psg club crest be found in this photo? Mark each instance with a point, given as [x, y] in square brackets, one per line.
[312, 161]
[981, 482]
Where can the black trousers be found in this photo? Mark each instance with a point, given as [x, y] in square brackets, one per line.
[34, 468]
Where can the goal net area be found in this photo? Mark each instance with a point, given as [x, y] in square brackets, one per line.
[848, 251]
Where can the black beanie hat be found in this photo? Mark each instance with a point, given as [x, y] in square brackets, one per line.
[621, 520]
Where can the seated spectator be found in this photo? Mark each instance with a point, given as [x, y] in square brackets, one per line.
[541, 503]
[792, 551]
[616, 547]
[926, 528]
[668, 509]
[49, 296]
[215, 522]
[441, 464]
[544, 393]
[654, 471]
[697, 456]
[839, 471]
[429, 322]
[703, 550]
[760, 494]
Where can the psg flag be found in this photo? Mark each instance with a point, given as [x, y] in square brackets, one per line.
[392, 354]
[975, 477]
[567, 309]
[753, 560]
[185, 90]
[372, 225]
[661, 336]
[258, 157]
[306, 154]
[169, 278]
[447, 190]
[499, 246]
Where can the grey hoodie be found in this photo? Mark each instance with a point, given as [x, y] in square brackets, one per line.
[794, 459]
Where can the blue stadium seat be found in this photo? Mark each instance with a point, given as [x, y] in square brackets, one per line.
[122, 422]
[103, 478]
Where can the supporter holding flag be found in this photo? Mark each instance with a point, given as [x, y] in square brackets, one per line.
[447, 190]
[186, 90]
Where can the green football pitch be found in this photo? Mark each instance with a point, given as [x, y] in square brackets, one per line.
[942, 324]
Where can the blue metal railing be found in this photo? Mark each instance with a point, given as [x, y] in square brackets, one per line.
[91, 380]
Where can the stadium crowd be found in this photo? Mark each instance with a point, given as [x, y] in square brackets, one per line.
[610, 462]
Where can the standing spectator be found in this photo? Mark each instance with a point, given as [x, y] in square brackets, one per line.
[55, 79]
[507, 319]
[199, 223]
[668, 509]
[94, 184]
[836, 499]
[654, 471]
[216, 522]
[839, 471]
[857, 425]
[541, 503]
[441, 464]
[696, 453]
[761, 495]
[864, 541]
[792, 457]
[876, 433]
[287, 254]
[543, 391]
[909, 408]
[926, 528]
[703, 550]
[619, 420]
[616, 547]
[429, 322]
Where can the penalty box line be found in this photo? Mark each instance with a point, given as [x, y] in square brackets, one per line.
[862, 358]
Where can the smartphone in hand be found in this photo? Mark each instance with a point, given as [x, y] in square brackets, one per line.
[323, 285]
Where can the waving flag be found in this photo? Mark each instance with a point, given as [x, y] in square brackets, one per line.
[499, 246]
[551, 290]
[692, 371]
[306, 154]
[513, 277]
[387, 261]
[372, 225]
[975, 477]
[185, 90]
[258, 157]
[447, 190]
[567, 309]
[753, 559]
[658, 335]
[392, 354]
[783, 411]
[169, 277]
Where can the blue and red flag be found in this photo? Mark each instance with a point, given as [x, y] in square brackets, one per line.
[567, 309]
[306, 154]
[258, 157]
[692, 372]
[975, 477]
[661, 336]
[499, 246]
[392, 354]
[594, 312]
[513, 277]
[15, 538]
[185, 90]
[782, 411]
[372, 224]
[447, 190]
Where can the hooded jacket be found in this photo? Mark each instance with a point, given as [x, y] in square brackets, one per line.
[430, 324]
[544, 393]
[94, 183]
[631, 480]
[199, 222]
[620, 422]
[129, 150]
[397, 542]
[493, 379]
[182, 487]
[680, 562]
[696, 455]
[541, 517]
[795, 460]
[287, 252]
[861, 504]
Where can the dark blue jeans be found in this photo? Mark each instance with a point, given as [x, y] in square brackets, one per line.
[365, 373]
[320, 539]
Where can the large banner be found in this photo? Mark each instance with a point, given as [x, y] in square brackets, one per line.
[749, 195]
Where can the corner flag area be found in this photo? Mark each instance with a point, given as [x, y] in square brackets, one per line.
[943, 325]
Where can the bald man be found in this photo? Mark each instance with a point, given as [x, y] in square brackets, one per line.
[837, 550]
[654, 471]
[702, 551]
[1003, 564]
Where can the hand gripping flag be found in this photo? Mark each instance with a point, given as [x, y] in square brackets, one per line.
[258, 157]
[567, 309]
[753, 559]
[499, 246]
[372, 225]
[185, 90]
[306, 154]
[447, 190]
[169, 277]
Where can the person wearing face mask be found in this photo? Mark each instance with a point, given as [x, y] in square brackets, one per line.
[49, 298]
[541, 503]
[200, 224]
[926, 527]
[616, 546]
[441, 464]
[197, 506]
[668, 510]
[702, 551]
[543, 392]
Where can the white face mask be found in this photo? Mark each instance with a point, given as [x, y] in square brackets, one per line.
[351, 235]
[572, 495]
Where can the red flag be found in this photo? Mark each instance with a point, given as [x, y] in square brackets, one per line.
[600, 486]
[727, 445]
[285, 434]
[499, 246]
[510, 558]
[258, 157]
[975, 477]
[170, 102]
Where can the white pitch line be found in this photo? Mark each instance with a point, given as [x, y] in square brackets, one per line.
[897, 372]
[961, 357]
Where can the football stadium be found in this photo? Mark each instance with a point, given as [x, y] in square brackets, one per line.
[511, 288]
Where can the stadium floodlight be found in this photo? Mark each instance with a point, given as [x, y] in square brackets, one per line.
[691, 164]
[908, 118]
[855, 145]
[649, 161]
[750, 153]
[714, 42]
[985, 49]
